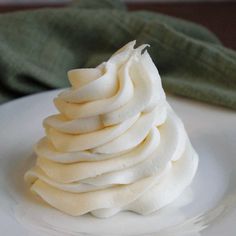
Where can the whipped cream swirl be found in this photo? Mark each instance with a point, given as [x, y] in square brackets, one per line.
[116, 144]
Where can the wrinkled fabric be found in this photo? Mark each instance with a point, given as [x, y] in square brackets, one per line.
[38, 47]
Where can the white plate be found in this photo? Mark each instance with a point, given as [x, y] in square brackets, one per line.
[212, 131]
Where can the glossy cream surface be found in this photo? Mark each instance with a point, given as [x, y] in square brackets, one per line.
[115, 144]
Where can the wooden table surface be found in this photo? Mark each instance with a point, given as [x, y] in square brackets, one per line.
[219, 17]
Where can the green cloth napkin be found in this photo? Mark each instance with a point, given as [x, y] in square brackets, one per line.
[38, 47]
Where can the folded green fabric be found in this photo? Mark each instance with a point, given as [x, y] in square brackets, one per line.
[38, 47]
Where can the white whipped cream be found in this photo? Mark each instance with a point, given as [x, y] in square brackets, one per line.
[116, 144]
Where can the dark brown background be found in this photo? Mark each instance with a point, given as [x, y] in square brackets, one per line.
[219, 17]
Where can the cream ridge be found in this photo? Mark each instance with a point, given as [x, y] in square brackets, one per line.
[116, 144]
